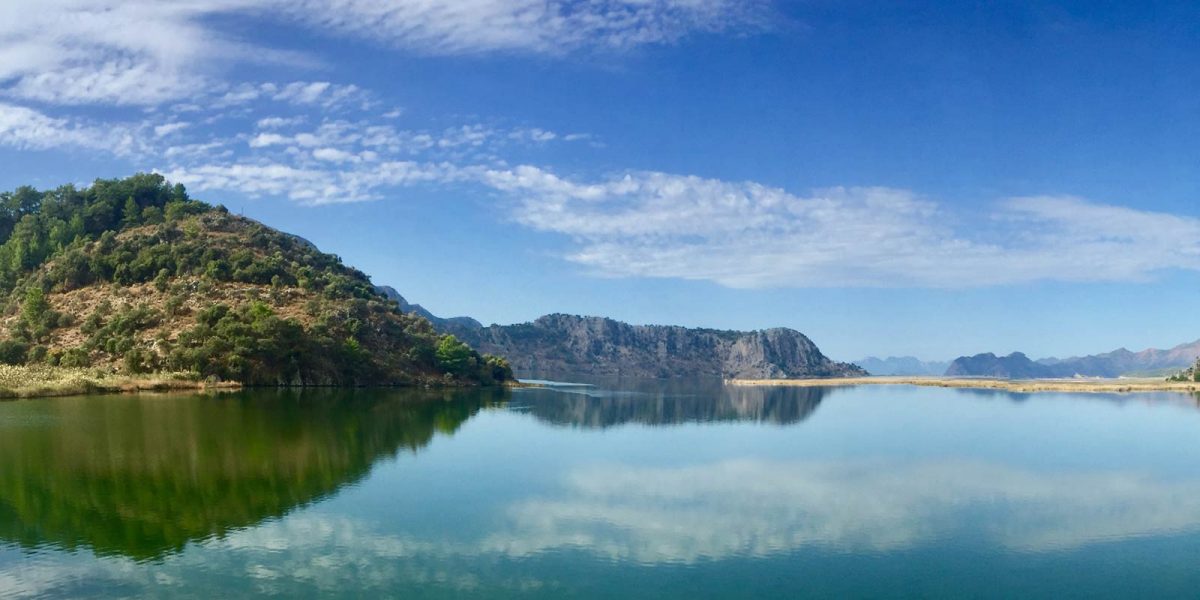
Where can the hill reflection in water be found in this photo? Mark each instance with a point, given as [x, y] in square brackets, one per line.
[142, 476]
[667, 402]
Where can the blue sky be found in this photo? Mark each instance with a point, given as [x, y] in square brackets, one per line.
[932, 179]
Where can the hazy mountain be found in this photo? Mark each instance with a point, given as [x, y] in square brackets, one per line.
[902, 365]
[1123, 362]
[1110, 364]
[1013, 366]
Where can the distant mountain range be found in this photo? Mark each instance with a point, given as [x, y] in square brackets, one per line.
[600, 346]
[1110, 364]
[902, 365]
[560, 343]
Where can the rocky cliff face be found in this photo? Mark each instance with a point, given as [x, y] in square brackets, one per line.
[601, 346]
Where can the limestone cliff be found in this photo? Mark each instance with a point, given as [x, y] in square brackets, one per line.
[560, 343]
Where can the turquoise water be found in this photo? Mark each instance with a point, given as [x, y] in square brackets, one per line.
[612, 490]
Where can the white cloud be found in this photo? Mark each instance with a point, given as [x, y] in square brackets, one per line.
[168, 128]
[101, 51]
[147, 52]
[647, 224]
[25, 128]
[535, 135]
[278, 122]
[263, 140]
[255, 179]
[335, 155]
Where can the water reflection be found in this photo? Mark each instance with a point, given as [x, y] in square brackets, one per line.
[693, 515]
[141, 476]
[758, 508]
[511, 507]
[662, 404]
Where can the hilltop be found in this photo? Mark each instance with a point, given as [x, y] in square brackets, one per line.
[133, 276]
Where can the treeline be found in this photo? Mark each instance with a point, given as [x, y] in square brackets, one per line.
[142, 230]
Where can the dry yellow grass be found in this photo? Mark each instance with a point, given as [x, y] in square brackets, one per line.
[40, 381]
[1012, 385]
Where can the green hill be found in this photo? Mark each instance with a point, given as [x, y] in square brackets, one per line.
[133, 276]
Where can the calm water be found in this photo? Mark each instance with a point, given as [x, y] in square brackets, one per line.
[629, 489]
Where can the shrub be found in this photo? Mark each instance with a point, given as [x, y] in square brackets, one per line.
[13, 352]
[75, 357]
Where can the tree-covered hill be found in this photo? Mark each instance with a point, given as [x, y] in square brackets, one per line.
[134, 276]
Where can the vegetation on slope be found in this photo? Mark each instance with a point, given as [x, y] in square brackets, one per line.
[133, 276]
[1191, 373]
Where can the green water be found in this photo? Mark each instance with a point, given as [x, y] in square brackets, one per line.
[624, 489]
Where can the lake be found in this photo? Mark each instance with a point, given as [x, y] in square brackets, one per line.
[620, 489]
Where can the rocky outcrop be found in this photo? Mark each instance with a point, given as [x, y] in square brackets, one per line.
[561, 343]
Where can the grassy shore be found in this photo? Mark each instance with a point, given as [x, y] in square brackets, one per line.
[41, 381]
[1012, 385]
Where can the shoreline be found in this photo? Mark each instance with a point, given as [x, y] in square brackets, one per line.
[124, 386]
[44, 381]
[1011, 385]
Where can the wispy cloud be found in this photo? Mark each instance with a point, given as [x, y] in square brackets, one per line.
[350, 161]
[147, 52]
[744, 234]
[330, 182]
[121, 53]
[316, 94]
[538, 26]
